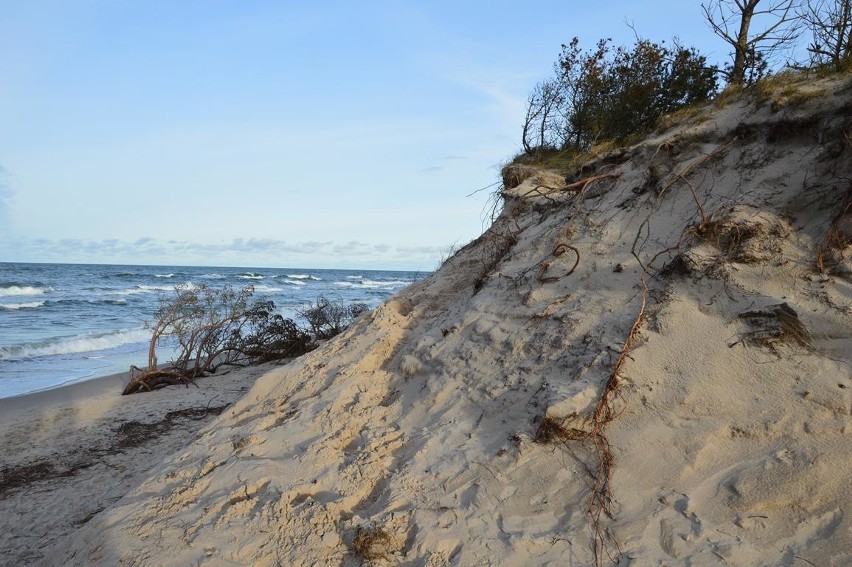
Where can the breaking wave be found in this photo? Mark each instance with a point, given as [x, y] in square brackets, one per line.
[17, 290]
[373, 284]
[74, 345]
[16, 306]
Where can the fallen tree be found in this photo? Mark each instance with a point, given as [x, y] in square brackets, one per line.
[212, 327]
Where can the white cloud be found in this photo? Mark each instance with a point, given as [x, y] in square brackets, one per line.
[250, 252]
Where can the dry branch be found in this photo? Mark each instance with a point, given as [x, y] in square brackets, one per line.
[681, 175]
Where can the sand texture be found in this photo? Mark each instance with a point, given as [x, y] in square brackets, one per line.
[68, 453]
[645, 364]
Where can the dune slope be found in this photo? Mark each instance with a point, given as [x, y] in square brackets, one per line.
[457, 424]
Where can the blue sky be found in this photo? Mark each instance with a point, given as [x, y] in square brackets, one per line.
[280, 134]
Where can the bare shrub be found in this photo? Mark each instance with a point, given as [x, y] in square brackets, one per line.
[830, 23]
[327, 318]
[271, 336]
[211, 327]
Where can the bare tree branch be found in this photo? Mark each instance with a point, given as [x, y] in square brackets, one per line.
[830, 23]
[732, 21]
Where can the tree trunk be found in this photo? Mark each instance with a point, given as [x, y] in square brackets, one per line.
[741, 47]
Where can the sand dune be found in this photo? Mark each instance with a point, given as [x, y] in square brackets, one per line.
[461, 423]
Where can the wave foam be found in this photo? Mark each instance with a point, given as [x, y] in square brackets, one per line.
[161, 287]
[90, 302]
[373, 284]
[146, 289]
[16, 306]
[16, 290]
[267, 288]
[75, 345]
[303, 277]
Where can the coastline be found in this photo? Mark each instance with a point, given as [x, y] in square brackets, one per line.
[522, 405]
[70, 451]
[69, 392]
[62, 323]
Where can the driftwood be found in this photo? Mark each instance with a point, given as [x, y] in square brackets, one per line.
[149, 380]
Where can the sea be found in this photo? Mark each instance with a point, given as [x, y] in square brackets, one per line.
[63, 323]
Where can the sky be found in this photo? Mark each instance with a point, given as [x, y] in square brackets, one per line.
[326, 134]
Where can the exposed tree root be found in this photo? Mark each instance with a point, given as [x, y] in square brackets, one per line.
[558, 250]
[149, 380]
[835, 239]
[599, 502]
[584, 183]
[552, 430]
[682, 175]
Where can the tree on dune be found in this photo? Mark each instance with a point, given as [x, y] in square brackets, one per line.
[830, 23]
[732, 21]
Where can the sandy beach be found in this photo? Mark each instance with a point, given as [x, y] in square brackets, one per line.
[646, 363]
[69, 452]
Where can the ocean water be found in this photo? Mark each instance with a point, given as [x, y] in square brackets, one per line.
[62, 323]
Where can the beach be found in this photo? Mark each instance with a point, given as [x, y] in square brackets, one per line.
[648, 362]
[69, 452]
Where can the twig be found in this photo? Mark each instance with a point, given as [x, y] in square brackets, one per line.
[540, 194]
[482, 189]
[210, 401]
[700, 207]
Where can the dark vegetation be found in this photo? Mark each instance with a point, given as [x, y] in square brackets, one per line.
[127, 435]
[212, 327]
[610, 95]
[327, 319]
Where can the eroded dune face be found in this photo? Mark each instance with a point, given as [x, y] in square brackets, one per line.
[462, 424]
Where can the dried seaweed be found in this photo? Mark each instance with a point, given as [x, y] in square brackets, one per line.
[774, 325]
[372, 544]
